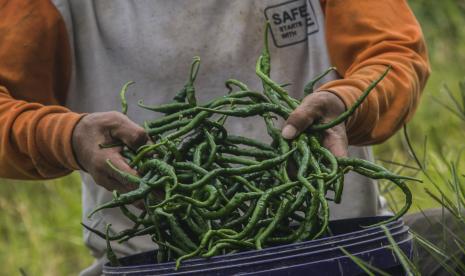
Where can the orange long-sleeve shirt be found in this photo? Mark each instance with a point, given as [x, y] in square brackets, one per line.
[362, 40]
[35, 131]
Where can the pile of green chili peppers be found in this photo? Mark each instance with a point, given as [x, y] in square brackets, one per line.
[224, 193]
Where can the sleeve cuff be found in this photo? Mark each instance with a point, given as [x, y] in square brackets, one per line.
[59, 128]
[359, 123]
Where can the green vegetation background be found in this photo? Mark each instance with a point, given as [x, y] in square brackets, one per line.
[39, 221]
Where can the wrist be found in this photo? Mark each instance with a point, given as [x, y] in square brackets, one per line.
[75, 137]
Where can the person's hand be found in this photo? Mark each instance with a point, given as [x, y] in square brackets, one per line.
[106, 128]
[319, 107]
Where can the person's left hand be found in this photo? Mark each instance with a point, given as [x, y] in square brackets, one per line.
[319, 107]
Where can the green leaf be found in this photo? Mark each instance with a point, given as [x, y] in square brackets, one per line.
[366, 267]
[408, 266]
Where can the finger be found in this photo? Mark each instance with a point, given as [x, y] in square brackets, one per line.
[112, 184]
[302, 117]
[335, 140]
[128, 132]
[123, 183]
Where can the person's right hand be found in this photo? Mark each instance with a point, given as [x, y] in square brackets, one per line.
[106, 128]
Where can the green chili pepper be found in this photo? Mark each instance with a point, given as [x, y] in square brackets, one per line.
[309, 87]
[166, 108]
[341, 118]
[224, 193]
[124, 104]
[110, 254]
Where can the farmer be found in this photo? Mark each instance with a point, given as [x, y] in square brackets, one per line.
[63, 62]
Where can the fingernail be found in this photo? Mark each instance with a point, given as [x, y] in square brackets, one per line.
[289, 132]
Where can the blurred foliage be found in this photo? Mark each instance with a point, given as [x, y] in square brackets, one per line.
[39, 221]
[442, 23]
[39, 227]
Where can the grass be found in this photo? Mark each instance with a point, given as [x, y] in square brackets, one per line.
[445, 188]
[443, 131]
[40, 231]
[39, 221]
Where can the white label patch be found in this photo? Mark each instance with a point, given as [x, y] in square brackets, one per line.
[291, 22]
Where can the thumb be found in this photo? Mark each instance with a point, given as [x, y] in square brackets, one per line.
[301, 118]
[129, 132]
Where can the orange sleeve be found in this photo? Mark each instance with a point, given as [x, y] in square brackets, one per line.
[363, 37]
[35, 132]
